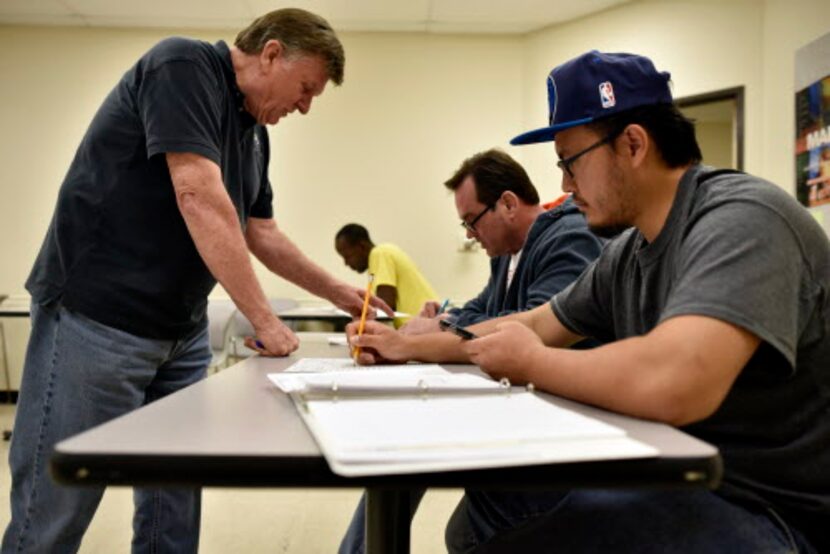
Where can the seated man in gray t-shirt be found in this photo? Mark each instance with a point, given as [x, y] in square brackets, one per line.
[714, 311]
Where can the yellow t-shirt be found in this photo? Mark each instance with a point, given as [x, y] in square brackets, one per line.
[391, 266]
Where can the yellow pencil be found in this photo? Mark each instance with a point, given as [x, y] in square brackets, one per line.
[363, 314]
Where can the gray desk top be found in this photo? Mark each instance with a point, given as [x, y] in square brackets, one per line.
[322, 313]
[236, 428]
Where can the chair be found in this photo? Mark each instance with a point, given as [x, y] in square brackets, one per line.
[242, 328]
[221, 312]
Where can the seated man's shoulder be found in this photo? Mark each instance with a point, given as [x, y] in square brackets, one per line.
[755, 205]
[739, 187]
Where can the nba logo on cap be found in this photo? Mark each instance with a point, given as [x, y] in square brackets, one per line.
[606, 95]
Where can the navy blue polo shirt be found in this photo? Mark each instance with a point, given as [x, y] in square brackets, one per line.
[117, 249]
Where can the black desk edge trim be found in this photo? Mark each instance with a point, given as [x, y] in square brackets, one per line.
[233, 471]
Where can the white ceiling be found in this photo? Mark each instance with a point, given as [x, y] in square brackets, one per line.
[435, 16]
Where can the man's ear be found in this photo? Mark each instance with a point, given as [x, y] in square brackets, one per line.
[637, 144]
[272, 50]
[510, 200]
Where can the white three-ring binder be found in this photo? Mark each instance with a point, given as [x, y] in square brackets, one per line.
[416, 419]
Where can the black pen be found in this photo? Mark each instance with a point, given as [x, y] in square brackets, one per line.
[465, 334]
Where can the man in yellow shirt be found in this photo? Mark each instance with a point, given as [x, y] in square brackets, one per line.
[397, 280]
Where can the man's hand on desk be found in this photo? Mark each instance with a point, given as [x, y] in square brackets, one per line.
[379, 344]
[510, 351]
[350, 299]
[275, 340]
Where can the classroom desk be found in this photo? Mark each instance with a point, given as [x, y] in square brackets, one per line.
[326, 314]
[13, 308]
[237, 429]
[9, 308]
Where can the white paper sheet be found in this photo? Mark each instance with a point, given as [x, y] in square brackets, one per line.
[450, 422]
[321, 374]
[416, 380]
[323, 365]
[405, 435]
[339, 340]
[329, 365]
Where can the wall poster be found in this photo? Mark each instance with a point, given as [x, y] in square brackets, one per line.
[812, 143]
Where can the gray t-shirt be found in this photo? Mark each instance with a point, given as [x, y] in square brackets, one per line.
[741, 250]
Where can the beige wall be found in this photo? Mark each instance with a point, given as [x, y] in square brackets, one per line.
[377, 150]
[706, 45]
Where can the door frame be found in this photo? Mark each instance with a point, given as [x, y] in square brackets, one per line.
[737, 95]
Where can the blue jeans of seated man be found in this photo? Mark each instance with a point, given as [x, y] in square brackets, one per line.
[641, 521]
[79, 373]
[519, 505]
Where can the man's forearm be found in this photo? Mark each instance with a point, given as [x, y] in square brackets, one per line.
[435, 348]
[213, 225]
[446, 347]
[219, 241]
[443, 346]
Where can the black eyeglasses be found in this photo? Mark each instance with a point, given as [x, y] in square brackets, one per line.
[471, 226]
[565, 165]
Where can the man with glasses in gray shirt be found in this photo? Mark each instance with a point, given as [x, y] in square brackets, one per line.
[714, 311]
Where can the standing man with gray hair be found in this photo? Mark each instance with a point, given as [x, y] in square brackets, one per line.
[167, 194]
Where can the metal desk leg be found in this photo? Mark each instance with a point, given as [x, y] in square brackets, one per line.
[387, 521]
[6, 362]
[7, 434]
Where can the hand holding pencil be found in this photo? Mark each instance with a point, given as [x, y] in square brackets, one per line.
[377, 344]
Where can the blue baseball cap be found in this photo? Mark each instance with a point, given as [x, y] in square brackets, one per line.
[596, 85]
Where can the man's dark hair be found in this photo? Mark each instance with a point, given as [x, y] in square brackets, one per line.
[494, 172]
[300, 32]
[353, 233]
[672, 132]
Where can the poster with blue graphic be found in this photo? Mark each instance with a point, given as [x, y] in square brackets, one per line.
[812, 143]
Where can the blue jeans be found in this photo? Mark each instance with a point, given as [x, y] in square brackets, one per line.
[78, 374]
[641, 521]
